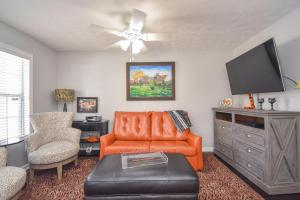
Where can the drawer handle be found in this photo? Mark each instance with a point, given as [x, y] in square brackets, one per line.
[249, 136]
[249, 150]
[223, 127]
[249, 165]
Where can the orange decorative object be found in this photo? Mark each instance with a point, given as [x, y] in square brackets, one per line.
[251, 101]
[92, 139]
[140, 132]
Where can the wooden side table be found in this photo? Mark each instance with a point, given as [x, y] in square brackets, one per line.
[94, 129]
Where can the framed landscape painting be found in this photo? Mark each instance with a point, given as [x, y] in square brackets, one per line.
[150, 81]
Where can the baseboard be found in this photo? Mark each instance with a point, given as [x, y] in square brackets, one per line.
[208, 149]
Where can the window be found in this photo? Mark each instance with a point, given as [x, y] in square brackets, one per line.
[14, 96]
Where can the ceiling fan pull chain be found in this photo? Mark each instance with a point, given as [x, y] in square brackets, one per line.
[131, 54]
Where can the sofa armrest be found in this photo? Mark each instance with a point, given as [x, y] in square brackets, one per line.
[105, 141]
[3, 155]
[195, 141]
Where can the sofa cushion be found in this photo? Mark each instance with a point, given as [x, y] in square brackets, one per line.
[53, 152]
[12, 180]
[127, 147]
[163, 128]
[132, 126]
[181, 147]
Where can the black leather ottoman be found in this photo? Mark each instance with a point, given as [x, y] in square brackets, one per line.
[173, 181]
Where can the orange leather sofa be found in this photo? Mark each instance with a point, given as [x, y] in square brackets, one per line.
[140, 132]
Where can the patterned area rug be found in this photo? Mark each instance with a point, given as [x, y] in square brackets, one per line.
[217, 182]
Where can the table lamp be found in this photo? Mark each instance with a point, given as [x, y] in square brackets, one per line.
[64, 95]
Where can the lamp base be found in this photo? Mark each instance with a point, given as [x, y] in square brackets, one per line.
[65, 107]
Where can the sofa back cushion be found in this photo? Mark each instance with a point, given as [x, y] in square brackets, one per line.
[132, 126]
[163, 128]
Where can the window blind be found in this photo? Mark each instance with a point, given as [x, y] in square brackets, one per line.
[14, 96]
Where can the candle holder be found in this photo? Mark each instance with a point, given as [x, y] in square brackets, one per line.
[260, 101]
[272, 101]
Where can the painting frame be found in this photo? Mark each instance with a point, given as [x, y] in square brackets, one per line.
[144, 64]
[80, 109]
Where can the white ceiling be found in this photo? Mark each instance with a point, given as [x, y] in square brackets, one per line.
[195, 24]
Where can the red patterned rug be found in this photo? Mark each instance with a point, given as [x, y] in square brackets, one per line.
[217, 182]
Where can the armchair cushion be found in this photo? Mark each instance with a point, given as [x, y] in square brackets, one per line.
[53, 152]
[181, 147]
[127, 147]
[12, 180]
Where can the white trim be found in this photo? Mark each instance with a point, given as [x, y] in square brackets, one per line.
[208, 149]
[16, 51]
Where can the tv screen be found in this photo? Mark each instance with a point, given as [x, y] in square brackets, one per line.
[256, 71]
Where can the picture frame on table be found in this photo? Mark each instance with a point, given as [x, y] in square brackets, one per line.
[87, 104]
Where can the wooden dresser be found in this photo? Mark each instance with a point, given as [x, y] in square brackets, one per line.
[262, 145]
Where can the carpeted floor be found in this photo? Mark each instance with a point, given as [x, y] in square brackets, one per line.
[217, 183]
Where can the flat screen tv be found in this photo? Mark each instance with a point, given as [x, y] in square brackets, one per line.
[256, 71]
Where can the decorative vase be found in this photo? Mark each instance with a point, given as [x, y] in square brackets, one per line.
[272, 101]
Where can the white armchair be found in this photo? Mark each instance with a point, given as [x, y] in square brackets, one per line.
[12, 179]
[54, 143]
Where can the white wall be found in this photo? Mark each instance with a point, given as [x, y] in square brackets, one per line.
[44, 66]
[287, 36]
[44, 80]
[201, 81]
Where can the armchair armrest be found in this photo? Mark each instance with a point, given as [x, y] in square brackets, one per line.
[33, 142]
[105, 141]
[3, 155]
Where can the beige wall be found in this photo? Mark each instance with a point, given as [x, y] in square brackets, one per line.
[286, 33]
[201, 81]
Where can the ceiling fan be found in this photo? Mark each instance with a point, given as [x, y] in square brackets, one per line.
[133, 36]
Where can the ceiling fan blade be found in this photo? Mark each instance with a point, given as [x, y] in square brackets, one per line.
[113, 45]
[155, 37]
[108, 30]
[137, 20]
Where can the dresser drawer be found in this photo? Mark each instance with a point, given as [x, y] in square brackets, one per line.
[225, 139]
[223, 133]
[247, 136]
[249, 150]
[223, 127]
[251, 165]
[225, 150]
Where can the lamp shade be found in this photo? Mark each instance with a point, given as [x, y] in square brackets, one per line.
[64, 95]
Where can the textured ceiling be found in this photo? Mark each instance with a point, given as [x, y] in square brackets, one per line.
[195, 24]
